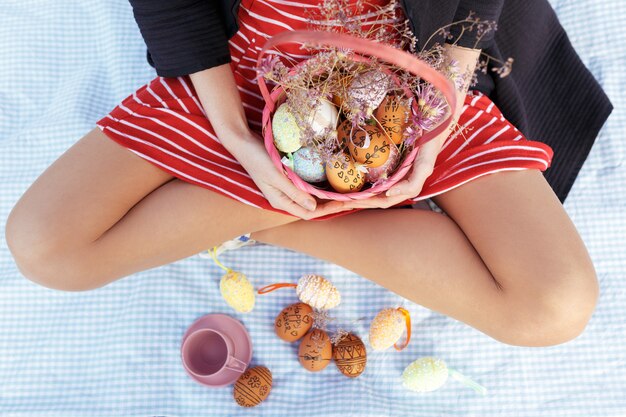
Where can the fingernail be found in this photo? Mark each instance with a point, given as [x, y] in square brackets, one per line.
[309, 205]
[392, 192]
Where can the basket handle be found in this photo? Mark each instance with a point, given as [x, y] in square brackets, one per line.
[387, 53]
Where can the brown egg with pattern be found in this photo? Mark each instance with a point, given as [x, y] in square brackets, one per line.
[253, 386]
[293, 322]
[315, 351]
[393, 116]
[369, 146]
[350, 355]
[343, 175]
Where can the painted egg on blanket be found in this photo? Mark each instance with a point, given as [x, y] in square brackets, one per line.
[293, 322]
[237, 291]
[315, 351]
[317, 292]
[285, 129]
[343, 175]
[253, 386]
[393, 115]
[383, 171]
[425, 374]
[308, 164]
[350, 355]
[386, 328]
[370, 146]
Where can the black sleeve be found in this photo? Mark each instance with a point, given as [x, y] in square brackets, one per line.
[484, 10]
[182, 36]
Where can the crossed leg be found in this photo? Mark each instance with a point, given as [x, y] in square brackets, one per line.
[507, 259]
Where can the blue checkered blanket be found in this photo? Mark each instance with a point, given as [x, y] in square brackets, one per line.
[114, 351]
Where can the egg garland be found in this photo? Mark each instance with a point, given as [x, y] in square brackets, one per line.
[313, 290]
[344, 174]
[293, 322]
[315, 351]
[235, 288]
[387, 328]
[428, 374]
[287, 134]
[253, 386]
[350, 355]
[308, 164]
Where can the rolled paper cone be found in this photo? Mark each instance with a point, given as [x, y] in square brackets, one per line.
[467, 381]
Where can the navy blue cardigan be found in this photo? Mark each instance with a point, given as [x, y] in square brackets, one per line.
[550, 96]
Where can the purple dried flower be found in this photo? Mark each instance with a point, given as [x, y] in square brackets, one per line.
[431, 105]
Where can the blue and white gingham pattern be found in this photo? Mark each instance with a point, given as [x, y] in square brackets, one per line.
[114, 351]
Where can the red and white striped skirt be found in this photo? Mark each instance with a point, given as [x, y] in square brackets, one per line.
[164, 123]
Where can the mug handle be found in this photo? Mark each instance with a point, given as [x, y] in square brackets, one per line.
[235, 364]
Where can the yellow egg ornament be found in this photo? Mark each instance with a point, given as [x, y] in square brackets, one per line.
[393, 116]
[313, 290]
[428, 374]
[387, 328]
[235, 288]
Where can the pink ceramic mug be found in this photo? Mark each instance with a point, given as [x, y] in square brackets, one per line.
[207, 352]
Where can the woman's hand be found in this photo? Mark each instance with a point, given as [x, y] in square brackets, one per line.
[275, 186]
[411, 186]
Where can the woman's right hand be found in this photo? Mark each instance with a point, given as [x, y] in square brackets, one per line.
[276, 187]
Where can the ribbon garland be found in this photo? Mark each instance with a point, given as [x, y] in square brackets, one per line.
[213, 253]
[407, 319]
[272, 287]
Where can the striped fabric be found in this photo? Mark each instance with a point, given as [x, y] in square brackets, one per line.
[164, 122]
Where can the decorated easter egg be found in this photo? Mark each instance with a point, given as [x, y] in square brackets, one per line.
[317, 292]
[367, 90]
[350, 355]
[323, 116]
[237, 291]
[425, 374]
[343, 175]
[293, 322]
[308, 164]
[385, 170]
[253, 386]
[369, 146]
[285, 129]
[343, 133]
[393, 115]
[386, 328]
[315, 351]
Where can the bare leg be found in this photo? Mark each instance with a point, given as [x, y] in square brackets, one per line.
[100, 212]
[87, 221]
[508, 261]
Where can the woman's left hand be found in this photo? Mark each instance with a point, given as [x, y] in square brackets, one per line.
[412, 185]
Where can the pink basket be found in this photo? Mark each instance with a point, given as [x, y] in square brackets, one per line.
[361, 47]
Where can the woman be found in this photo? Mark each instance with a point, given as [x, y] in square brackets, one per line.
[506, 259]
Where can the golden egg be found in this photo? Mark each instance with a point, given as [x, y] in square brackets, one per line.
[372, 154]
[393, 115]
[293, 322]
[253, 386]
[343, 175]
[350, 355]
[315, 351]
